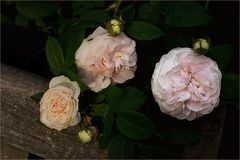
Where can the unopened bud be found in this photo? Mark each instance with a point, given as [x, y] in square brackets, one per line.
[114, 27]
[88, 134]
[201, 46]
[85, 135]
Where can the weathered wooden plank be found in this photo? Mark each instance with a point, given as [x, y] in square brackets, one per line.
[10, 152]
[211, 133]
[20, 127]
[19, 120]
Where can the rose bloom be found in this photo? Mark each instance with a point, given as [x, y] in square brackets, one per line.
[186, 85]
[59, 104]
[102, 59]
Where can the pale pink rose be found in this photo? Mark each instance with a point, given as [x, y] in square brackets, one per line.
[102, 59]
[186, 85]
[59, 104]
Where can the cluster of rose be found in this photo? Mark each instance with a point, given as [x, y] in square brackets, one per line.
[185, 84]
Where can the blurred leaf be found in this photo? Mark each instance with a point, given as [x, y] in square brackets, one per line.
[180, 135]
[230, 87]
[222, 55]
[34, 10]
[112, 93]
[131, 99]
[95, 16]
[74, 77]
[186, 14]
[149, 12]
[54, 54]
[21, 21]
[134, 125]
[100, 98]
[101, 109]
[120, 148]
[108, 119]
[37, 97]
[6, 20]
[144, 31]
[127, 14]
[71, 39]
[79, 7]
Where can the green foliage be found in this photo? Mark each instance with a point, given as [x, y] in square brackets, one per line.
[108, 125]
[54, 55]
[186, 14]
[57, 64]
[37, 97]
[131, 99]
[101, 109]
[112, 94]
[149, 12]
[230, 87]
[222, 55]
[95, 16]
[70, 40]
[21, 21]
[141, 30]
[6, 20]
[181, 135]
[135, 125]
[127, 14]
[79, 7]
[34, 10]
[120, 148]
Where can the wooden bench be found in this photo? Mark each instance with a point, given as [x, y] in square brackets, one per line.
[21, 132]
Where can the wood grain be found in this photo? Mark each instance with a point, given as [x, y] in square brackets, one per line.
[19, 120]
[21, 129]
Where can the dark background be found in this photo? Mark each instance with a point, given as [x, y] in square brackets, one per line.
[24, 48]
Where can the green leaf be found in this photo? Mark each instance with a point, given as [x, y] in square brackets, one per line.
[127, 14]
[101, 110]
[112, 93]
[21, 21]
[144, 31]
[108, 118]
[181, 135]
[131, 99]
[54, 54]
[222, 55]
[186, 14]
[37, 97]
[6, 20]
[34, 10]
[74, 77]
[79, 7]
[135, 125]
[149, 12]
[120, 148]
[230, 87]
[95, 16]
[70, 40]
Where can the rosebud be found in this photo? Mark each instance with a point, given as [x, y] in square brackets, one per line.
[85, 135]
[88, 134]
[114, 27]
[201, 46]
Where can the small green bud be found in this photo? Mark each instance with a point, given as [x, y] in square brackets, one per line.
[85, 135]
[88, 134]
[201, 46]
[114, 27]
